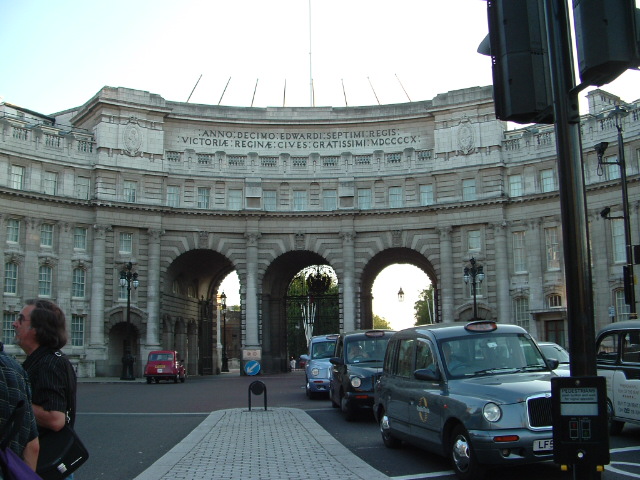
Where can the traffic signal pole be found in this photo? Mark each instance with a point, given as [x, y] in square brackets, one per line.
[580, 312]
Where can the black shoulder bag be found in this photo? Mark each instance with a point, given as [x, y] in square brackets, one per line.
[61, 452]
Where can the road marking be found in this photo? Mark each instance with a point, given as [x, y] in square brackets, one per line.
[445, 473]
[622, 472]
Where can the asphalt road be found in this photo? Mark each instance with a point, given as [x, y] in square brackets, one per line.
[129, 425]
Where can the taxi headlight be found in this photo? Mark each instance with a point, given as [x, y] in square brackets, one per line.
[492, 412]
[315, 371]
[356, 382]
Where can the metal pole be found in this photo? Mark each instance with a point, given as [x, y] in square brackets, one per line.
[475, 305]
[225, 360]
[630, 279]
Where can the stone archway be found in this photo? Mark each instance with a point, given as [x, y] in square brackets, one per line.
[274, 290]
[381, 261]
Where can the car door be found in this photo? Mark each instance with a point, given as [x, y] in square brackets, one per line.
[626, 378]
[425, 399]
[399, 384]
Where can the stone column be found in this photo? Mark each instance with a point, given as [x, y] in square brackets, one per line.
[98, 275]
[446, 274]
[348, 282]
[536, 262]
[502, 273]
[251, 301]
[153, 289]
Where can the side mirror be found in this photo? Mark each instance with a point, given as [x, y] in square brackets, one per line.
[552, 363]
[428, 374]
[336, 361]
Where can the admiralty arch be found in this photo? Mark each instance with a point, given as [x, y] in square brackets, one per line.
[189, 193]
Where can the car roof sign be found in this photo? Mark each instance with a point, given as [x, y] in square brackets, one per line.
[374, 333]
[481, 326]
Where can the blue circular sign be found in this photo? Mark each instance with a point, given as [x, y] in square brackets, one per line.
[252, 367]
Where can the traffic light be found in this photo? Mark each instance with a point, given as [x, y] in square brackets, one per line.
[607, 39]
[520, 61]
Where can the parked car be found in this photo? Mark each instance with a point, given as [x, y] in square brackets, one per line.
[478, 393]
[318, 368]
[355, 369]
[164, 365]
[553, 350]
[618, 360]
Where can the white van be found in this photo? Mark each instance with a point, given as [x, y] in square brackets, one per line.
[618, 360]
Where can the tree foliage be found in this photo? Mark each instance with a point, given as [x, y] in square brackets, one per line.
[424, 308]
[380, 323]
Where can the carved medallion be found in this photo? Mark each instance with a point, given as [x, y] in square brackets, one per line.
[132, 138]
[466, 137]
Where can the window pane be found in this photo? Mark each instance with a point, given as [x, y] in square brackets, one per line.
[519, 253]
[173, 196]
[468, 189]
[329, 200]
[521, 312]
[426, 195]
[551, 243]
[17, 177]
[44, 281]
[235, 199]
[299, 200]
[80, 238]
[8, 332]
[203, 197]
[77, 330]
[395, 197]
[46, 235]
[547, 181]
[130, 190]
[13, 230]
[474, 240]
[619, 246]
[515, 185]
[10, 278]
[364, 198]
[126, 242]
[269, 200]
[50, 183]
[78, 283]
[82, 187]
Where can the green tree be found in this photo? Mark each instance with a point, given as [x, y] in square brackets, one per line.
[423, 308]
[380, 323]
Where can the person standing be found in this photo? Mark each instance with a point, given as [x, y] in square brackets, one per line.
[41, 333]
[14, 387]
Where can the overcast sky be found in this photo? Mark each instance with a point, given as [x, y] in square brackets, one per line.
[56, 55]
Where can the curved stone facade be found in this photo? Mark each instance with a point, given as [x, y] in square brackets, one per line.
[189, 193]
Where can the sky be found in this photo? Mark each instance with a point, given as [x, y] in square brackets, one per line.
[56, 55]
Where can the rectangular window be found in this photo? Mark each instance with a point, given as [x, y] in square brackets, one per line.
[552, 248]
[474, 240]
[619, 244]
[547, 181]
[126, 242]
[521, 312]
[83, 186]
[8, 332]
[129, 191]
[45, 274]
[122, 292]
[203, 197]
[78, 285]
[468, 189]
[299, 200]
[329, 200]
[269, 200]
[50, 183]
[17, 177]
[46, 235]
[10, 278]
[234, 200]
[519, 252]
[613, 168]
[173, 196]
[364, 198]
[515, 185]
[13, 230]
[80, 238]
[77, 330]
[622, 308]
[426, 195]
[395, 197]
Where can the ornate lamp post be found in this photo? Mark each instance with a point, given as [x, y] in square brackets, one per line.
[628, 277]
[128, 279]
[474, 274]
[400, 295]
[225, 360]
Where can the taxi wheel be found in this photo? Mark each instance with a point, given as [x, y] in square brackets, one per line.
[615, 426]
[389, 440]
[464, 460]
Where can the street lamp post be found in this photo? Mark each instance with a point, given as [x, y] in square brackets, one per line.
[628, 276]
[475, 274]
[128, 279]
[400, 295]
[225, 360]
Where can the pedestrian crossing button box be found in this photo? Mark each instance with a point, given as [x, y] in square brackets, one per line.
[580, 423]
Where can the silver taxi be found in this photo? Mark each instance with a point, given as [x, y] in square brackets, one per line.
[478, 393]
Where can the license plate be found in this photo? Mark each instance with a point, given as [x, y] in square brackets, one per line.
[543, 445]
[160, 370]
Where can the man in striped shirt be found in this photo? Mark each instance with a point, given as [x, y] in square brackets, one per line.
[41, 332]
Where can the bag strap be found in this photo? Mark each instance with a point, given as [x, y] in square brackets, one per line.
[71, 401]
[12, 425]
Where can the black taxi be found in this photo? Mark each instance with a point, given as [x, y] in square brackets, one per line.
[478, 393]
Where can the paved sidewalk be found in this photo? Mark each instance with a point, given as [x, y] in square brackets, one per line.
[272, 444]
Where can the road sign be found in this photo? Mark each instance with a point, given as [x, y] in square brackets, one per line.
[252, 367]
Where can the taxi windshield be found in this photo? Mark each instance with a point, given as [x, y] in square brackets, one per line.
[366, 349]
[490, 354]
[323, 349]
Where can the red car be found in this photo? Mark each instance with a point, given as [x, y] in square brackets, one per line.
[164, 365]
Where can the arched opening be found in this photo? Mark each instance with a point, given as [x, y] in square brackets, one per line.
[387, 258]
[275, 326]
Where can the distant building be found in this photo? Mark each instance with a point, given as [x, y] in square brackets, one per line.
[189, 193]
